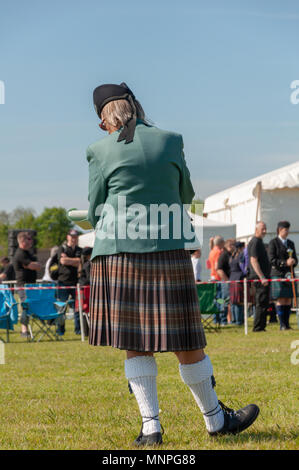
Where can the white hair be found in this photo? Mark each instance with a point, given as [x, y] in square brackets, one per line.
[218, 240]
[118, 112]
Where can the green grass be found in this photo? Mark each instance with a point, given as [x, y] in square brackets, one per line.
[69, 395]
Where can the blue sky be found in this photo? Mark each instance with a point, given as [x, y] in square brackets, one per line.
[219, 72]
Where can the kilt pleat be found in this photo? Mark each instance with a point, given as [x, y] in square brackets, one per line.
[145, 302]
[282, 289]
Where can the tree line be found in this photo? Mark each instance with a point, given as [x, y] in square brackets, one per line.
[51, 225]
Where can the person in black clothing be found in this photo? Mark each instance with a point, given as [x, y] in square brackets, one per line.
[236, 289]
[259, 268]
[69, 256]
[223, 271]
[283, 259]
[8, 273]
[84, 281]
[26, 266]
[85, 272]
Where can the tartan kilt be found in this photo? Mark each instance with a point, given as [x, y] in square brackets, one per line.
[145, 302]
[236, 292]
[282, 289]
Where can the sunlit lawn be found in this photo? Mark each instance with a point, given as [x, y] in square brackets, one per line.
[69, 395]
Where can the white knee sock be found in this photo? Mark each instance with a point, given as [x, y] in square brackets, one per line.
[198, 377]
[141, 371]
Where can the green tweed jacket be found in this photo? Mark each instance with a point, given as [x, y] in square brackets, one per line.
[127, 185]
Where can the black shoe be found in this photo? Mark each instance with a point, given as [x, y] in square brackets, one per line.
[150, 439]
[237, 421]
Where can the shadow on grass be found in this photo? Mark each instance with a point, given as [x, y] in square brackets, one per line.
[25, 341]
[236, 442]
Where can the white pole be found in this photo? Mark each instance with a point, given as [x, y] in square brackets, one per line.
[245, 306]
[80, 312]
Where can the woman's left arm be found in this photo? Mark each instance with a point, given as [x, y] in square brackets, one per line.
[97, 188]
[186, 188]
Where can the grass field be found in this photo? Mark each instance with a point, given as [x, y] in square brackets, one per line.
[69, 395]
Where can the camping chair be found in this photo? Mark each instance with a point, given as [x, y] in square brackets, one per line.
[208, 306]
[42, 308]
[8, 310]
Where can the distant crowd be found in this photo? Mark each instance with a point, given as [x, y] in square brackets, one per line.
[67, 265]
[230, 260]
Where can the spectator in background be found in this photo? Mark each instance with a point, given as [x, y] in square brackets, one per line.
[216, 246]
[84, 279]
[211, 246]
[26, 267]
[236, 289]
[195, 258]
[8, 273]
[282, 256]
[259, 268]
[216, 250]
[223, 272]
[69, 257]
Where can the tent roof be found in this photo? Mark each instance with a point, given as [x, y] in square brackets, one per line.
[207, 222]
[285, 177]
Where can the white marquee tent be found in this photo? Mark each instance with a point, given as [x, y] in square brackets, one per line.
[210, 228]
[205, 227]
[270, 197]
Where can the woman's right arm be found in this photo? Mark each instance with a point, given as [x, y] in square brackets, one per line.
[97, 187]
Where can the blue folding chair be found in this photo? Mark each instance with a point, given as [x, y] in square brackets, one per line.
[42, 308]
[8, 310]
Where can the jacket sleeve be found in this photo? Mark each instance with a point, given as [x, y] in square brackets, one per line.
[186, 188]
[97, 187]
[294, 254]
